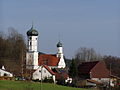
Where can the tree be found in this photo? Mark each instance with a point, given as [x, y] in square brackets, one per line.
[86, 54]
[12, 51]
[73, 69]
[115, 64]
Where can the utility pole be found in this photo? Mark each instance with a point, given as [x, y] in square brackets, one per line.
[22, 64]
[41, 77]
[110, 77]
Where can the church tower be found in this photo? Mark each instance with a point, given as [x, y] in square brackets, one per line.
[60, 55]
[32, 52]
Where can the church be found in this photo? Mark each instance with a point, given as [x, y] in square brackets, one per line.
[42, 64]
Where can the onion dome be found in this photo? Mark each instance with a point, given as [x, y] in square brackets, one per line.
[59, 44]
[32, 32]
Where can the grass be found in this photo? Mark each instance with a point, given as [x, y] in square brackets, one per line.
[22, 85]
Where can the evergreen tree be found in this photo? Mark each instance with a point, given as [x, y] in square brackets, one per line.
[73, 69]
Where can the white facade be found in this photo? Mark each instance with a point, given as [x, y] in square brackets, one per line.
[5, 73]
[42, 73]
[105, 80]
[101, 79]
[60, 55]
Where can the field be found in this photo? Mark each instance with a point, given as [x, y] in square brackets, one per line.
[20, 85]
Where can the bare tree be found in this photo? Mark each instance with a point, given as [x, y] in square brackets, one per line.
[12, 51]
[87, 54]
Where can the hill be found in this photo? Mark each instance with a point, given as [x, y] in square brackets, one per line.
[23, 85]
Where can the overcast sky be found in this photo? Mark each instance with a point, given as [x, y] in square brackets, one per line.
[80, 23]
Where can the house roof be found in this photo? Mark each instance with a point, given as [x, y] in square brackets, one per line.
[49, 69]
[96, 69]
[86, 67]
[93, 81]
[48, 59]
[113, 76]
[60, 73]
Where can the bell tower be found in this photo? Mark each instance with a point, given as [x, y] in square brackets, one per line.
[60, 55]
[32, 52]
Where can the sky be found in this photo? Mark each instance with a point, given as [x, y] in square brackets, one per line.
[78, 23]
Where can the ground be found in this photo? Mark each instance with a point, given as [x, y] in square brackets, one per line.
[20, 85]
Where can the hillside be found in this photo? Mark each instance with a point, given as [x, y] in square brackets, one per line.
[20, 85]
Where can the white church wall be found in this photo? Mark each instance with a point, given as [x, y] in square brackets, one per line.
[42, 73]
[35, 62]
[32, 60]
[61, 63]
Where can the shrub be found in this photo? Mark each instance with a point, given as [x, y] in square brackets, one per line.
[48, 80]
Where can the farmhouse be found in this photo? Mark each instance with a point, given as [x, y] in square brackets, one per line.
[95, 71]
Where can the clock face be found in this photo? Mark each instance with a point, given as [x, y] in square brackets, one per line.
[30, 59]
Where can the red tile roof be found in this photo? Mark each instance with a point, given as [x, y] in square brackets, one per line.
[60, 75]
[49, 69]
[48, 60]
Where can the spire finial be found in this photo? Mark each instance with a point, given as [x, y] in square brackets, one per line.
[59, 37]
[32, 25]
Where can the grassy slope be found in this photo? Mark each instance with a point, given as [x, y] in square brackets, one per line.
[19, 85]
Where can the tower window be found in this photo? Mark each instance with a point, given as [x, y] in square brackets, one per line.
[36, 38]
[30, 43]
[30, 38]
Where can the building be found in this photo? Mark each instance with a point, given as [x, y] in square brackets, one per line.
[95, 70]
[3, 72]
[43, 72]
[35, 60]
[32, 53]
[62, 74]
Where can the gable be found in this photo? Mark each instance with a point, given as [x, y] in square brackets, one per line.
[44, 68]
[100, 71]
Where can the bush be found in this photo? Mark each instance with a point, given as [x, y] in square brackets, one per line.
[61, 81]
[48, 80]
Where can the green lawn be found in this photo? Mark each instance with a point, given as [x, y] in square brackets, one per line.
[20, 85]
